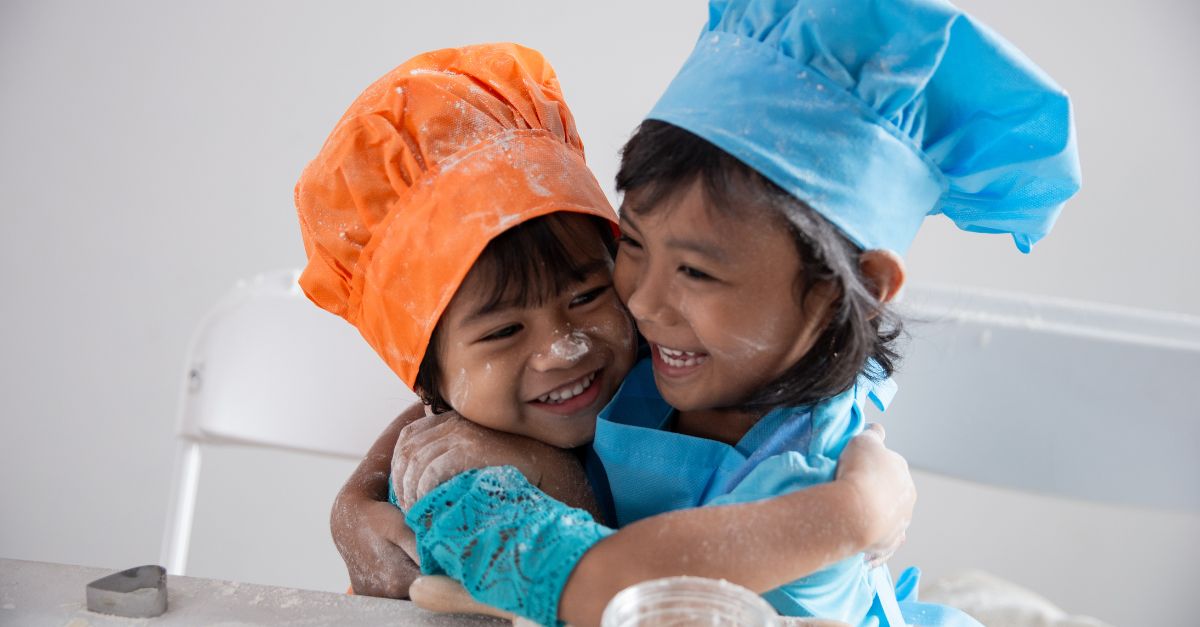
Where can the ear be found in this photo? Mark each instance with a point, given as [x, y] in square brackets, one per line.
[884, 273]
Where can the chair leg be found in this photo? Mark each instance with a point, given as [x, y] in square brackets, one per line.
[177, 535]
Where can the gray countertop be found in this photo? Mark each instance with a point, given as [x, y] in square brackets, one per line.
[38, 593]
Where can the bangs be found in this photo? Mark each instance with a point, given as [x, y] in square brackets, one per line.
[661, 160]
[534, 262]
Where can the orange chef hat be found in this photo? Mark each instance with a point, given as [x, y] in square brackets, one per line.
[430, 163]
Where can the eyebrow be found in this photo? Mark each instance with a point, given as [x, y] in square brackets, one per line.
[706, 249]
[585, 271]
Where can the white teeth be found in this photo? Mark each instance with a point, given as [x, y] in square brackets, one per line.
[568, 392]
[681, 359]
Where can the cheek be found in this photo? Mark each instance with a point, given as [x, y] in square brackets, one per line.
[470, 378]
[495, 377]
[458, 388]
[731, 333]
[610, 327]
[702, 314]
[751, 338]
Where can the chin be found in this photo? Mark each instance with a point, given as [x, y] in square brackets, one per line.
[699, 401]
[681, 400]
[565, 438]
[569, 443]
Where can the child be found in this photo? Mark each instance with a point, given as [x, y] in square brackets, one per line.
[451, 219]
[761, 240]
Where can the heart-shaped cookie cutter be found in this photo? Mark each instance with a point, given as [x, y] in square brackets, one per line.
[139, 592]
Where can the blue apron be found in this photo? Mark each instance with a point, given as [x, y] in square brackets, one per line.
[651, 470]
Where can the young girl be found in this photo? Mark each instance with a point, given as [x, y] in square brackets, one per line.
[451, 219]
[453, 191]
[761, 241]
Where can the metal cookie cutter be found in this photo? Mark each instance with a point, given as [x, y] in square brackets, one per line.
[139, 592]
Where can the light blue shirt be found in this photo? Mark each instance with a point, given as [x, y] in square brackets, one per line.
[651, 470]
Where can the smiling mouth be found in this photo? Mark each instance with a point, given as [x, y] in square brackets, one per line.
[676, 358]
[570, 390]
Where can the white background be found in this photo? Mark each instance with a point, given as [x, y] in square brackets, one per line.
[148, 152]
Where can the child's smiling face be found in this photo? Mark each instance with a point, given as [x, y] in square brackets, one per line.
[715, 296]
[542, 370]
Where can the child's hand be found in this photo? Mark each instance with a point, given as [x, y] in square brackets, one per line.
[369, 532]
[373, 538]
[434, 449]
[885, 488]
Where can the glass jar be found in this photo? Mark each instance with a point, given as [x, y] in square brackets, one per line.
[680, 601]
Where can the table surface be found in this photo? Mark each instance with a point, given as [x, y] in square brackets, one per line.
[39, 593]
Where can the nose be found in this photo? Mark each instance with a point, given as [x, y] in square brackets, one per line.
[562, 348]
[646, 301]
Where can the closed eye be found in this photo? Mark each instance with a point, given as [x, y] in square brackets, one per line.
[624, 240]
[501, 333]
[693, 273]
[590, 295]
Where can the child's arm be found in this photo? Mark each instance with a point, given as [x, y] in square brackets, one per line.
[760, 545]
[369, 532]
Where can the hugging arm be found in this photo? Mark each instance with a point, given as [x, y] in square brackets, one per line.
[760, 545]
[369, 532]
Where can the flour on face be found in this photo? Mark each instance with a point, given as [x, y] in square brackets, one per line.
[572, 347]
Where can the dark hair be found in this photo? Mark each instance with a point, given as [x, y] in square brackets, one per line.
[661, 159]
[525, 266]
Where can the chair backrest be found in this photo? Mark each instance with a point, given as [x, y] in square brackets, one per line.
[268, 368]
[1069, 399]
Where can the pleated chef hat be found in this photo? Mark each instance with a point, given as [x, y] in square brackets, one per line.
[877, 113]
[426, 167]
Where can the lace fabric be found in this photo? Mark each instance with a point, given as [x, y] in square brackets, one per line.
[508, 543]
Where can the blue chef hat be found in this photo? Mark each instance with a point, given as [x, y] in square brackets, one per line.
[879, 112]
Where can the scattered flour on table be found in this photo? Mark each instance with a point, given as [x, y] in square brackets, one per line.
[997, 602]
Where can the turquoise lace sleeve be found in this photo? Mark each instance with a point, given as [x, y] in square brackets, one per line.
[510, 545]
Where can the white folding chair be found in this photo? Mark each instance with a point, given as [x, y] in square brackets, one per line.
[268, 369]
[1075, 425]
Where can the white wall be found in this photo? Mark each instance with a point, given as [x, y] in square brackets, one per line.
[148, 152]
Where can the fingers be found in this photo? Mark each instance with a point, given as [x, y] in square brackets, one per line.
[388, 522]
[437, 470]
[408, 489]
[379, 568]
[407, 541]
[433, 450]
[876, 429]
[389, 579]
[421, 430]
[413, 451]
[438, 593]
